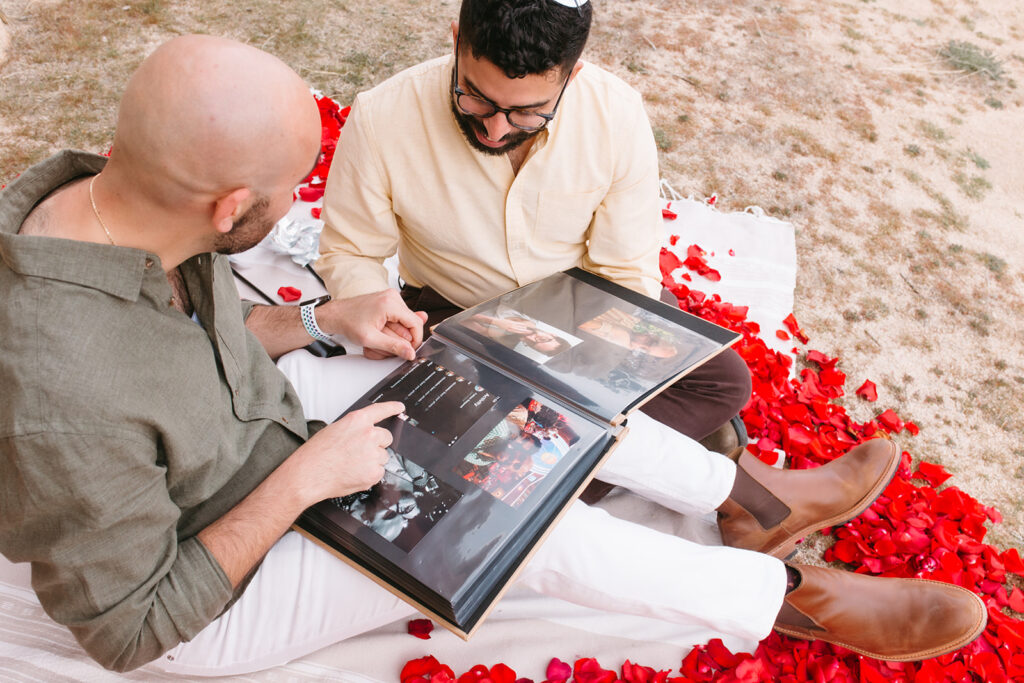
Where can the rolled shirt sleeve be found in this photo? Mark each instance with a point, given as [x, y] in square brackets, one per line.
[92, 514]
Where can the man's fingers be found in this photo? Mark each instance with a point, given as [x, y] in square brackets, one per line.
[381, 411]
[410, 321]
[390, 343]
[383, 438]
[398, 330]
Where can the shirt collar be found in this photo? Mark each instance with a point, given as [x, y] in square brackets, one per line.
[118, 271]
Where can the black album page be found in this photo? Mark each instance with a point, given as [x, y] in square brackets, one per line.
[602, 347]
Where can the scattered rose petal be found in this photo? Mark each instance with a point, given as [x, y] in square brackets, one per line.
[424, 669]
[289, 294]
[558, 671]
[588, 670]
[890, 421]
[420, 628]
[868, 391]
[668, 215]
[790, 322]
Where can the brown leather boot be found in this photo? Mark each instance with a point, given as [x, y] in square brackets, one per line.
[900, 620]
[769, 509]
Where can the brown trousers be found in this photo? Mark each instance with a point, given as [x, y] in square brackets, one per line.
[696, 405]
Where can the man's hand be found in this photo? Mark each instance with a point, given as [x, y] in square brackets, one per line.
[342, 458]
[380, 322]
[347, 455]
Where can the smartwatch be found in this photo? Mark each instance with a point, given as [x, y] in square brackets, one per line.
[306, 309]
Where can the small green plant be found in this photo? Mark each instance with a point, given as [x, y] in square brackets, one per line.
[994, 103]
[932, 131]
[978, 160]
[662, 140]
[970, 58]
[974, 187]
[780, 176]
[993, 263]
[912, 150]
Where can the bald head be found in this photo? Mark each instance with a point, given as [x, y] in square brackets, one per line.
[203, 116]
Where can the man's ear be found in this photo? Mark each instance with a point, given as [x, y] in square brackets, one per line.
[575, 70]
[229, 208]
[455, 36]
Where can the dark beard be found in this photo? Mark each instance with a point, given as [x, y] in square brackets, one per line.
[247, 231]
[469, 125]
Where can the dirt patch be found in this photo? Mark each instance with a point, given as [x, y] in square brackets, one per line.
[899, 166]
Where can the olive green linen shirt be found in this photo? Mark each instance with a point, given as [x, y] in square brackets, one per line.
[125, 428]
[405, 180]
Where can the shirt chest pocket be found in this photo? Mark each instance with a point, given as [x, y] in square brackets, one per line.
[563, 218]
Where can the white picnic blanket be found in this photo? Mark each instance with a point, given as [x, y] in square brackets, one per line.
[761, 274]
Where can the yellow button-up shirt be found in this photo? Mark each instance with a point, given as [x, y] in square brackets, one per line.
[405, 180]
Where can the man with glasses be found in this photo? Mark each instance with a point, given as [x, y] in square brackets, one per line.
[504, 163]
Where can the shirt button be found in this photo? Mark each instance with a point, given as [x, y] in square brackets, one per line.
[149, 263]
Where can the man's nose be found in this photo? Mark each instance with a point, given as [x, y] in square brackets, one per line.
[497, 126]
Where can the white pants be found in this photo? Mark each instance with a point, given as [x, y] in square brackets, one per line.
[303, 598]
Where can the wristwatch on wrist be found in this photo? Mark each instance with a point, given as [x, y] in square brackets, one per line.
[306, 309]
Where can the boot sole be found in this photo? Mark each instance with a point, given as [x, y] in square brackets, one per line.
[787, 549]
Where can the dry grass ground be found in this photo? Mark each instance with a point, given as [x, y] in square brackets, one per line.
[887, 132]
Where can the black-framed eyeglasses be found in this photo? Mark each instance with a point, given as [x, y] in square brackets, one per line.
[483, 108]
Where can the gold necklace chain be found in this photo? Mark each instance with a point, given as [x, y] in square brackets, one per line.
[92, 201]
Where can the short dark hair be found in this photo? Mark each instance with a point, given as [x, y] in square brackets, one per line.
[524, 37]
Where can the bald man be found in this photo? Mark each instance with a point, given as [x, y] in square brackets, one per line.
[153, 457]
[150, 451]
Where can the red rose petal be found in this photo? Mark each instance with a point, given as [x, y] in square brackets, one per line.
[310, 194]
[668, 215]
[558, 671]
[890, 421]
[790, 322]
[868, 391]
[933, 474]
[589, 671]
[289, 294]
[420, 628]
[423, 669]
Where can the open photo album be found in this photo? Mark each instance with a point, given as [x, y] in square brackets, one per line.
[510, 408]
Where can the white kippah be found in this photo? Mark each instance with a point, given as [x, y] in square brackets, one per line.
[575, 4]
